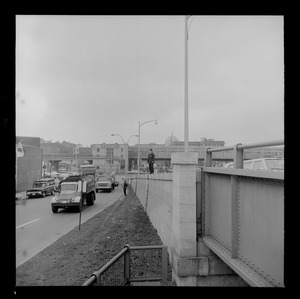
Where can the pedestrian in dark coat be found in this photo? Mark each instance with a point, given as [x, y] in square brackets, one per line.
[125, 185]
[151, 160]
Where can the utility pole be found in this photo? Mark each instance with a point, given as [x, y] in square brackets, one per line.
[186, 115]
[126, 145]
[138, 153]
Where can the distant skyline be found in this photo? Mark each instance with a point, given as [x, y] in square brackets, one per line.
[82, 78]
[120, 142]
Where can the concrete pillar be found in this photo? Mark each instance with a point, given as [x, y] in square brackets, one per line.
[184, 243]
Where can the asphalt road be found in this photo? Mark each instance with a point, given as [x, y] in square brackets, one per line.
[37, 227]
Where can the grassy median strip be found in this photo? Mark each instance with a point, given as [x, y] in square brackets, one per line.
[71, 259]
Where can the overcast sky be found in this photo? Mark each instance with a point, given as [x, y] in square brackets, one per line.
[82, 78]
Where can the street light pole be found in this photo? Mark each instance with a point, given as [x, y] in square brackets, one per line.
[138, 153]
[186, 116]
[138, 161]
[125, 152]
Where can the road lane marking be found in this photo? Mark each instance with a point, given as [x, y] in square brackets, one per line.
[28, 223]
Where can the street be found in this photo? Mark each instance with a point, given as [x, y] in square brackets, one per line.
[37, 227]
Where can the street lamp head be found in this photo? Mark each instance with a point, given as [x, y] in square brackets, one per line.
[112, 134]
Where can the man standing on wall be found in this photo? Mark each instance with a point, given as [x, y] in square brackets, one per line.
[151, 160]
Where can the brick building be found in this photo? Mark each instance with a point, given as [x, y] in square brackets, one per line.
[109, 157]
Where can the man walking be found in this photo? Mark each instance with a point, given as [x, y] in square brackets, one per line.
[125, 185]
[151, 160]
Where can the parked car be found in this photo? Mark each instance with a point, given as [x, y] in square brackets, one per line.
[133, 171]
[41, 187]
[104, 183]
[272, 164]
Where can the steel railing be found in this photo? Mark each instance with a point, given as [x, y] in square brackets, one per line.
[240, 216]
[133, 264]
[238, 151]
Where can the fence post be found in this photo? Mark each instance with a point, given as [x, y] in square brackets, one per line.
[147, 192]
[127, 264]
[238, 162]
[208, 158]
[238, 156]
[164, 265]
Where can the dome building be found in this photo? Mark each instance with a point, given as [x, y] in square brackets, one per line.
[170, 140]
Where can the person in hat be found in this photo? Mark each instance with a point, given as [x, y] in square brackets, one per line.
[151, 160]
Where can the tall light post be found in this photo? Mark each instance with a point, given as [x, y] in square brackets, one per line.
[186, 115]
[138, 161]
[125, 152]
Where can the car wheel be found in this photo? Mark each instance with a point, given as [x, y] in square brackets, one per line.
[54, 209]
[92, 199]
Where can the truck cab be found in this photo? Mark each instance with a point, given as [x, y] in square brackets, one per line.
[75, 191]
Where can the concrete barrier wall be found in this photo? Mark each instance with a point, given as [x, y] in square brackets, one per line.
[155, 194]
[168, 207]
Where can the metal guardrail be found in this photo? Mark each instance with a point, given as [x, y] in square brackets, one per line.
[133, 264]
[240, 216]
[82, 156]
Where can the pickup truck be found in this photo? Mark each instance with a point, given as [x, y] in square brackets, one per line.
[42, 188]
[104, 183]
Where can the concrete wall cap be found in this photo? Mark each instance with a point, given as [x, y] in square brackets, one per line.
[184, 158]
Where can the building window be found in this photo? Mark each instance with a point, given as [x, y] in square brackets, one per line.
[109, 152]
[98, 149]
[109, 155]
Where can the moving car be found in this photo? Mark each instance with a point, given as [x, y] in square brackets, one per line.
[41, 187]
[272, 164]
[104, 183]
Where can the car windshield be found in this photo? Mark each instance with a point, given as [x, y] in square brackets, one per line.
[103, 179]
[68, 187]
[39, 185]
[275, 164]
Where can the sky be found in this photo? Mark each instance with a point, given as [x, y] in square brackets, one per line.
[82, 78]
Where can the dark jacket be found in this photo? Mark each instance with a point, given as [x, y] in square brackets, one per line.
[151, 158]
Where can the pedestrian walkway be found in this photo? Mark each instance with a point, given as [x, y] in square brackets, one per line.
[21, 195]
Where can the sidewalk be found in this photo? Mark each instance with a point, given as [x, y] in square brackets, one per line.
[21, 195]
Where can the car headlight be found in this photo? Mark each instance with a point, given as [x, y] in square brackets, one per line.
[54, 199]
[76, 199]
